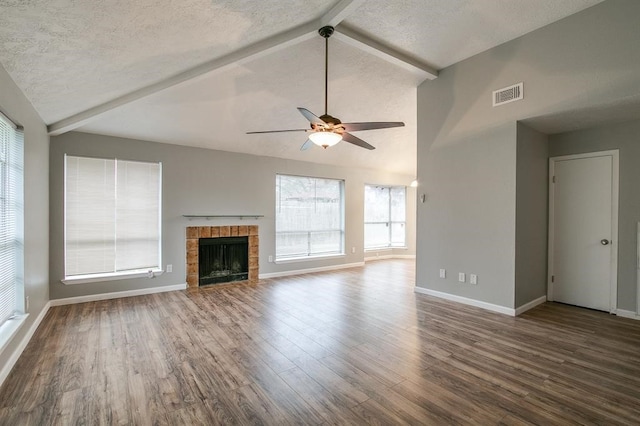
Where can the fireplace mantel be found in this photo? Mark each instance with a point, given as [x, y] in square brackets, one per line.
[194, 233]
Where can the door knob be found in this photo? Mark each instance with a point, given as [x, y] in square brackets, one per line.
[604, 241]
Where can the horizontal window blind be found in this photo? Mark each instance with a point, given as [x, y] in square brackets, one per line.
[11, 217]
[112, 216]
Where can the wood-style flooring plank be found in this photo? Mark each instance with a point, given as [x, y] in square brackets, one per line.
[354, 346]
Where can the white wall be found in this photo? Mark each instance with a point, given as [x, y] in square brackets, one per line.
[201, 181]
[36, 204]
[467, 150]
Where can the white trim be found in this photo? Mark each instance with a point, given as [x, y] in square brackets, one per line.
[390, 256]
[638, 272]
[404, 256]
[627, 314]
[378, 257]
[10, 328]
[615, 172]
[6, 369]
[116, 295]
[113, 276]
[310, 270]
[535, 302]
[472, 302]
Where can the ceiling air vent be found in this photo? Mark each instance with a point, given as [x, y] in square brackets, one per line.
[508, 94]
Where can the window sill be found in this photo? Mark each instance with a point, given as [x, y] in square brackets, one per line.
[308, 258]
[94, 278]
[9, 329]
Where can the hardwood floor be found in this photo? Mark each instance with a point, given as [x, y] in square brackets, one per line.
[355, 346]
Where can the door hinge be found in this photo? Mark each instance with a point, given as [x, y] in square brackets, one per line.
[553, 278]
[553, 179]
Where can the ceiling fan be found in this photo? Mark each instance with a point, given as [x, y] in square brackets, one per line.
[326, 130]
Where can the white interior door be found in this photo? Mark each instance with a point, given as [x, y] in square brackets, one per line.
[583, 230]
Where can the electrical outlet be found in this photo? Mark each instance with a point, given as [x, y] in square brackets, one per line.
[270, 259]
[169, 268]
[443, 273]
[462, 277]
[473, 279]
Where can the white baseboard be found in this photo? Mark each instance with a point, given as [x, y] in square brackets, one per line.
[310, 270]
[390, 256]
[6, 369]
[627, 314]
[472, 302]
[116, 295]
[535, 302]
[378, 257]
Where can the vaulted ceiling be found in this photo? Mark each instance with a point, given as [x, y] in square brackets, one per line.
[204, 72]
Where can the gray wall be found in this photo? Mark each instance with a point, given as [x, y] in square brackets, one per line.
[467, 223]
[201, 181]
[532, 195]
[626, 138]
[36, 202]
[467, 149]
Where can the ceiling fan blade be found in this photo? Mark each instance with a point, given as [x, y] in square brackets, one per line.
[314, 119]
[278, 131]
[372, 125]
[348, 137]
[305, 146]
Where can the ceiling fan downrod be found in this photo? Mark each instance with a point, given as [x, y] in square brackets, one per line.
[326, 33]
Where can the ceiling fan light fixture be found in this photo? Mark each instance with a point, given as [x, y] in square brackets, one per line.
[325, 139]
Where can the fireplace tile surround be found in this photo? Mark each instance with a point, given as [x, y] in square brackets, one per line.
[194, 233]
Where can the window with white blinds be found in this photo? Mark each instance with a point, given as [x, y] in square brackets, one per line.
[112, 217]
[11, 220]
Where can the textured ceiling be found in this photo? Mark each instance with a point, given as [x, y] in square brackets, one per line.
[68, 56]
[443, 32]
[71, 55]
[218, 109]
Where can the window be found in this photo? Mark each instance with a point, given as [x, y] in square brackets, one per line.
[112, 217]
[309, 217]
[384, 216]
[11, 219]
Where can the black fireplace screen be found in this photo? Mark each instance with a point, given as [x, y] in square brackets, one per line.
[223, 260]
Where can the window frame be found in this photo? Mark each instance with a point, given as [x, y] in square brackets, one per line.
[309, 255]
[117, 274]
[12, 190]
[389, 223]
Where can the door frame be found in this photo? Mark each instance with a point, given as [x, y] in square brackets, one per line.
[615, 171]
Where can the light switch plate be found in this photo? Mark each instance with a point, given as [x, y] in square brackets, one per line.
[443, 273]
[462, 277]
[473, 279]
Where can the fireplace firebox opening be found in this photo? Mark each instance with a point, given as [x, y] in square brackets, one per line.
[223, 260]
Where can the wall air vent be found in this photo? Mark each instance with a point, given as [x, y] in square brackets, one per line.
[508, 94]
